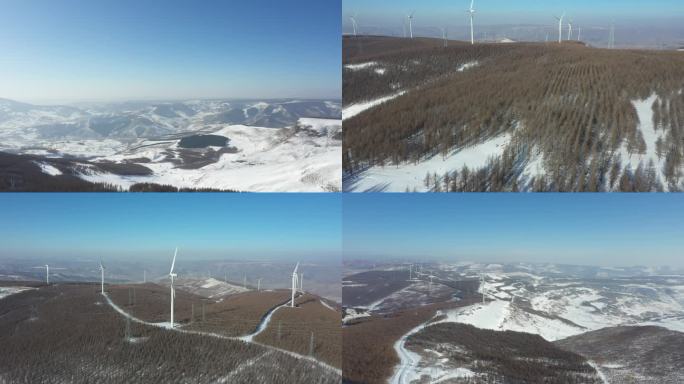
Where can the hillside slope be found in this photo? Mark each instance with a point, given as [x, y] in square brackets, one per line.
[633, 354]
[508, 117]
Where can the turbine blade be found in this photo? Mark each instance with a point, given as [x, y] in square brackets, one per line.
[296, 267]
[173, 262]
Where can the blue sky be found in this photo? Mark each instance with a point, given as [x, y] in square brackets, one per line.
[282, 227]
[437, 13]
[585, 229]
[83, 50]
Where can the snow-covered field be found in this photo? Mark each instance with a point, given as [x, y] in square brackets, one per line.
[557, 307]
[6, 291]
[410, 176]
[266, 161]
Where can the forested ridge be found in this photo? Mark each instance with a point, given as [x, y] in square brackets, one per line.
[568, 104]
[68, 334]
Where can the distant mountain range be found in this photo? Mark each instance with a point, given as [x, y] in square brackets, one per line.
[132, 120]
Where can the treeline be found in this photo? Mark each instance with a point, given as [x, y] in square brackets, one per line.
[20, 173]
[571, 104]
[152, 187]
[504, 357]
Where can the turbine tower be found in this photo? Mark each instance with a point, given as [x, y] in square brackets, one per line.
[259, 284]
[611, 38]
[47, 272]
[560, 27]
[301, 282]
[472, 15]
[294, 284]
[102, 269]
[410, 19]
[353, 20]
[569, 29]
[579, 33]
[482, 284]
[173, 291]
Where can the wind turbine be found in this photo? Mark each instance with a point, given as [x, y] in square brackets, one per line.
[410, 19]
[579, 33]
[47, 272]
[301, 282]
[569, 29]
[444, 37]
[102, 269]
[294, 284]
[259, 284]
[471, 11]
[560, 27]
[482, 283]
[173, 291]
[353, 20]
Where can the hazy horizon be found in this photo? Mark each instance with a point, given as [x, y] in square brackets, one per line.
[637, 23]
[574, 229]
[77, 50]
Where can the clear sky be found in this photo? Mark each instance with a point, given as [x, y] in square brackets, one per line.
[281, 227]
[438, 13]
[85, 50]
[584, 229]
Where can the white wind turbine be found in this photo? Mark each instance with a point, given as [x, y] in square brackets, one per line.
[560, 27]
[569, 29]
[173, 291]
[301, 282]
[353, 21]
[471, 11]
[410, 19]
[294, 284]
[259, 284]
[579, 33]
[102, 269]
[482, 283]
[47, 272]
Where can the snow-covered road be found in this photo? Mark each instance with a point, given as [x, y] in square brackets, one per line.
[405, 372]
[166, 325]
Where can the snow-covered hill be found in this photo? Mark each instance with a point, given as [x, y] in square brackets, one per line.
[556, 305]
[281, 145]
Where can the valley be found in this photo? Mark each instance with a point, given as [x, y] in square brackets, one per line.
[273, 145]
[549, 316]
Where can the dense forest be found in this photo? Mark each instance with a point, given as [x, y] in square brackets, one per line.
[66, 333]
[308, 329]
[568, 104]
[503, 357]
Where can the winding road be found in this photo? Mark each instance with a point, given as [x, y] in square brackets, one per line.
[246, 339]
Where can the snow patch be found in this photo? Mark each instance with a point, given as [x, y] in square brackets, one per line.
[355, 109]
[358, 67]
[468, 65]
[398, 178]
[48, 169]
